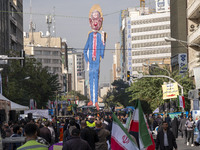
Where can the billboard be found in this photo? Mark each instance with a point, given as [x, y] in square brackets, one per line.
[170, 90]
[197, 76]
[162, 6]
[182, 61]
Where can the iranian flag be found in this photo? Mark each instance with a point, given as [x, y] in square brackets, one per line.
[120, 138]
[140, 130]
[181, 101]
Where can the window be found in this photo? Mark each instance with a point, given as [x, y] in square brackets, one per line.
[47, 61]
[39, 60]
[55, 53]
[55, 61]
[46, 52]
[55, 69]
[36, 52]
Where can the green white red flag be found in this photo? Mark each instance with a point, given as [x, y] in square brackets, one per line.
[140, 130]
[120, 138]
[181, 101]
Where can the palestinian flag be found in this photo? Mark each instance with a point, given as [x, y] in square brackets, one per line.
[120, 138]
[140, 130]
[181, 101]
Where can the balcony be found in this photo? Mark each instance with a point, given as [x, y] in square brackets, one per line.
[194, 37]
[193, 10]
[13, 20]
[13, 37]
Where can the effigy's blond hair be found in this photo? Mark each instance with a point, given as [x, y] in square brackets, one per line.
[97, 8]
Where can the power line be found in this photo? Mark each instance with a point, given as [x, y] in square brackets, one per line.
[74, 48]
[57, 15]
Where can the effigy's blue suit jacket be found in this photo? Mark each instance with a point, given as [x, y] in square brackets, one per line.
[89, 46]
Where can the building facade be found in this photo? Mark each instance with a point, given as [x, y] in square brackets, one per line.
[65, 66]
[16, 25]
[4, 27]
[116, 69]
[49, 56]
[76, 71]
[178, 31]
[193, 37]
[11, 26]
[144, 39]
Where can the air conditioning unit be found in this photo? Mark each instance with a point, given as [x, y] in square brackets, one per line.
[192, 27]
[193, 94]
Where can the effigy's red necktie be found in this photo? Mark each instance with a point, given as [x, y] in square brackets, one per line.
[94, 46]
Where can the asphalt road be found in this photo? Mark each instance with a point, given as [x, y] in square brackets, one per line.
[182, 146]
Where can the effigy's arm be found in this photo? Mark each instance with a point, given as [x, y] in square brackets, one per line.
[102, 49]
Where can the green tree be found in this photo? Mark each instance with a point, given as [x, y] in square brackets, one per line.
[150, 89]
[80, 96]
[41, 85]
[120, 96]
[117, 96]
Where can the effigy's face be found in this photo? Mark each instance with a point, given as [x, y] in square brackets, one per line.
[95, 21]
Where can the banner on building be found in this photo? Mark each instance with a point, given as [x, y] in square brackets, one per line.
[170, 90]
[162, 5]
[197, 77]
[182, 61]
[129, 46]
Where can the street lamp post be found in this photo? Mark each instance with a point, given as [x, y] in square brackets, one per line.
[162, 76]
[170, 39]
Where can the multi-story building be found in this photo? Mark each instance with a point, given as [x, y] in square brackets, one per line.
[11, 26]
[178, 31]
[49, 55]
[72, 69]
[16, 25]
[116, 70]
[65, 66]
[193, 16]
[80, 65]
[143, 38]
[76, 70]
[4, 28]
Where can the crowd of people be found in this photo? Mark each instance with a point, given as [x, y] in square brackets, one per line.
[184, 125]
[93, 132]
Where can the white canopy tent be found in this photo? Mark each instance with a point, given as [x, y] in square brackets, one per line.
[14, 106]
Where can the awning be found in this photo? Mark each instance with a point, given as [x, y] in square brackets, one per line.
[14, 106]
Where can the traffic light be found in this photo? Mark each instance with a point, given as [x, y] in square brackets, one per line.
[128, 75]
[22, 61]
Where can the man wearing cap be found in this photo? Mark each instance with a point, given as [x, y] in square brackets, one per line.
[76, 143]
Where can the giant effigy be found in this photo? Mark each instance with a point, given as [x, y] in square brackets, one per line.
[94, 51]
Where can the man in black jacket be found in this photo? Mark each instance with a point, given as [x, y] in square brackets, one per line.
[165, 138]
[88, 134]
[76, 143]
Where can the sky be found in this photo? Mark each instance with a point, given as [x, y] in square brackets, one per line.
[72, 23]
